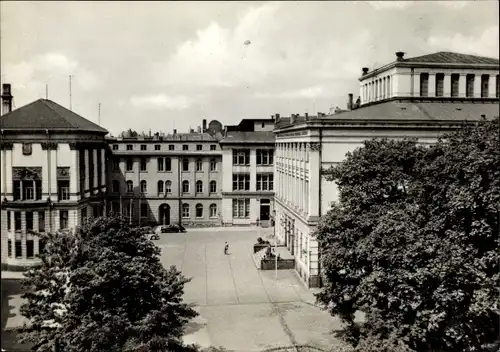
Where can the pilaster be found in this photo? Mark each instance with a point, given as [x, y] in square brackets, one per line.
[314, 169]
[253, 170]
[23, 235]
[95, 181]
[8, 173]
[492, 86]
[462, 85]
[477, 86]
[103, 168]
[447, 85]
[53, 173]
[74, 183]
[87, 173]
[432, 84]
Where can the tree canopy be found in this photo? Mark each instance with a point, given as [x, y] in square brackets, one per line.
[414, 243]
[103, 288]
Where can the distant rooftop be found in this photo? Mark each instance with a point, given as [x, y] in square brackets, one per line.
[169, 137]
[239, 137]
[447, 57]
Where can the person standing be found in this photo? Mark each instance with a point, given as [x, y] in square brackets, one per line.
[226, 248]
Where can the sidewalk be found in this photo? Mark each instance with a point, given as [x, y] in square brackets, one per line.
[12, 275]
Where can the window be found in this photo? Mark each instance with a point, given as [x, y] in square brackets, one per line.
[439, 84]
[199, 186]
[115, 208]
[116, 165]
[185, 147]
[29, 221]
[41, 221]
[157, 147]
[424, 84]
[213, 187]
[116, 186]
[83, 214]
[63, 190]
[199, 165]
[213, 210]
[485, 86]
[241, 208]
[168, 187]
[265, 156]
[130, 147]
[264, 182]
[144, 164]
[241, 182]
[144, 210]
[9, 217]
[18, 249]
[17, 190]
[171, 147]
[199, 147]
[29, 190]
[213, 165]
[185, 165]
[144, 186]
[63, 219]
[241, 156]
[144, 147]
[130, 165]
[160, 187]
[115, 146]
[455, 79]
[168, 164]
[160, 164]
[199, 210]
[130, 186]
[469, 91]
[30, 249]
[213, 147]
[185, 210]
[17, 221]
[185, 186]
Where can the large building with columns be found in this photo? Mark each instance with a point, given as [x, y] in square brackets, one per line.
[53, 174]
[406, 98]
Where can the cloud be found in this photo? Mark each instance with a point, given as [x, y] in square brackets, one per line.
[383, 5]
[55, 62]
[304, 93]
[161, 101]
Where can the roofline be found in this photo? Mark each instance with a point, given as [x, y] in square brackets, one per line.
[53, 130]
[428, 65]
[246, 142]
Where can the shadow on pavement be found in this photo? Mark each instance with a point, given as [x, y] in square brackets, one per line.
[10, 341]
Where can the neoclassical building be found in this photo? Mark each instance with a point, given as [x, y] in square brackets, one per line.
[416, 97]
[53, 174]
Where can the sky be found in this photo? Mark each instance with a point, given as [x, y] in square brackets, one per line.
[166, 65]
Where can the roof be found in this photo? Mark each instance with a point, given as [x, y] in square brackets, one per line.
[43, 114]
[247, 124]
[446, 57]
[237, 137]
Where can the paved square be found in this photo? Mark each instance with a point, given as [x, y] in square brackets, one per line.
[242, 308]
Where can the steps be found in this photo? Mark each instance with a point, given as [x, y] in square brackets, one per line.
[258, 256]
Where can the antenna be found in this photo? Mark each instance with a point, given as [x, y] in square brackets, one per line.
[99, 114]
[46, 91]
[70, 105]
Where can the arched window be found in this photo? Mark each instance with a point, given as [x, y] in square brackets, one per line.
[213, 210]
[185, 165]
[199, 210]
[116, 186]
[168, 187]
[144, 187]
[185, 210]
[160, 186]
[130, 186]
[213, 187]
[160, 164]
[199, 186]
[144, 164]
[185, 186]
[168, 164]
[213, 165]
[199, 165]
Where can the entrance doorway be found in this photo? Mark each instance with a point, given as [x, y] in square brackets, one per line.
[265, 209]
[164, 214]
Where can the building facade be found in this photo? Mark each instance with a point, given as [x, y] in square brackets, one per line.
[308, 145]
[53, 174]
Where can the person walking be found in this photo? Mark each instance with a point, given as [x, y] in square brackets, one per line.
[226, 248]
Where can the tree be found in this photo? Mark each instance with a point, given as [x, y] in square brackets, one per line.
[413, 242]
[103, 288]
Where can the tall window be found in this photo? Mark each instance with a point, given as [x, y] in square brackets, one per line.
[213, 147]
[424, 84]
[199, 186]
[144, 147]
[130, 165]
[157, 147]
[130, 186]
[213, 187]
[160, 164]
[213, 210]
[144, 164]
[455, 81]
[199, 210]
[160, 187]
[265, 156]
[199, 165]
[168, 164]
[116, 165]
[199, 147]
[63, 219]
[485, 80]
[17, 221]
[168, 187]
[469, 90]
[185, 147]
[241, 208]
[28, 190]
[9, 226]
[185, 186]
[213, 165]
[144, 186]
[264, 182]
[29, 221]
[130, 147]
[63, 190]
[439, 84]
[241, 156]
[241, 182]
[116, 186]
[144, 210]
[185, 165]
[185, 210]
[41, 221]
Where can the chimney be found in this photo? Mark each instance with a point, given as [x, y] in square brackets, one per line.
[292, 119]
[399, 56]
[365, 70]
[307, 116]
[349, 102]
[175, 131]
[204, 125]
[277, 116]
[198, 129]
[6, 99]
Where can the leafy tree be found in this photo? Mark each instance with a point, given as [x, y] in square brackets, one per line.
[103, 288]
[413, 242]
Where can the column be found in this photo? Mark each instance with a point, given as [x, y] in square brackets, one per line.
[477, 86]
[432, 84]
[462, 85]
[87, 172]
[447, 85]
[23, 235]
[57, 222]
[314, 167]
[103, 168]
[8, 173]
[253, 169]
[36, 229]
[95, 182]
[74, 180]
[492, 86]
[53, 173]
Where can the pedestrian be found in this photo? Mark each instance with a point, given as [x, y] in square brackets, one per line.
[226, 248]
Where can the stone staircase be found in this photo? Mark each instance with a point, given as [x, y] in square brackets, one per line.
[258, 256]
